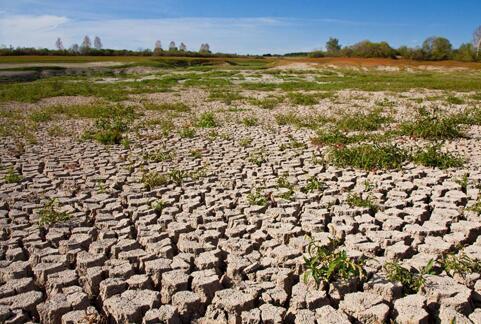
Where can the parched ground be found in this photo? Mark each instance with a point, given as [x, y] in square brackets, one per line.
[199, 217]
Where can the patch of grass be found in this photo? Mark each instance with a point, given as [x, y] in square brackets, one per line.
[432, 156]
[298, 98]
[256, 198]
[225, 96]
[326, 264]
[313, 184]
[463, 182]
[174, 106]
[187, 132]
[159, 156]
[206, 120]
[335, 137]
[266, 103]
[177, 176]
[258, 158]
[356, 200]
[40, 116]
[250, 121]
[432, 126]
[110, 130]
[411, 281]
[159, 205]
[196, 154]
[245, 142]
[12, 176]
[293, 119]
[369, 156]
[48, 215]
[362, 122]
[153, 179]
[453, 100]
[57, 131]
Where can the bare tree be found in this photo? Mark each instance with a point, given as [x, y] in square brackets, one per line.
[59, 44]
[172, 46]
[97, 43]
[86, 44]
[204, 48]
[182, 47]
[75, 48]
[158, 45]
[477, 40]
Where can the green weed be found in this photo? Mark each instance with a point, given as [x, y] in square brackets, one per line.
[48, 215]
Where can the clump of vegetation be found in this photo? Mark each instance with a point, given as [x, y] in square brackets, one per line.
[356, 200]
[175, 106]
[225, 96]
[304, 99]
[434, 157]
[283, 182]
[362, 122]
[454, 100]
[12, 176]
[187, 132]
[411, 280]
[159, 205]
[109, 130]
[206, 120]
[250, 121]
[159, 156]
[326, 264]
[177, 176]
[266, 103]
[476, 207]
[369, 156]
[153, 179]
[196, 154]
[48, 215]
[40, 116]
[257, 158]
[256, 198]
[463, 182]
[460, 264]
[432, 126]
[313, 184]
[334, 137]
[245, 142]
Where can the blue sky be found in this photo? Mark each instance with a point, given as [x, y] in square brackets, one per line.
[246, 26]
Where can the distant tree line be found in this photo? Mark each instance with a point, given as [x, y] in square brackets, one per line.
[95, 48]
[432, 49]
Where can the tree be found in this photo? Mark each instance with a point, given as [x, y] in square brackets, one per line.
[158, 45]
[204, 48]
[86, 44]
[182, 47]
[465, 52]
[97, 43]
[333, 46]
[59, 44]
[437, 48]
[172, 46]
[477, 40]
[75, 48]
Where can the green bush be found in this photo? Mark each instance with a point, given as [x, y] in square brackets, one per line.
[207, 120]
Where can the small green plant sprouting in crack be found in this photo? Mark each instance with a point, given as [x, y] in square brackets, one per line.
[463, 182]
[195, 153]
[256, 198]
[177, 176]
[257, 158]
[460, 264]
[159, 156]
[412, 281]
[153, 179]
[356, 200]
[283, 182]
[48, 215]
[313, 184]
[187, 132]
[159, 205]
[206, 120]
[245, 142]
[250, 121]
[326, 263]
[12, 176]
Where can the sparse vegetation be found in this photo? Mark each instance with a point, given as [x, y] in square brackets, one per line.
[411, 280]
[326, 264]
[460, 264]
[187, 132]
[432, 126]
[250, 121]
[357, 200]
[432, 156]
[49, 215]
[369, 156]
[174, 106]
[256, 198]
[313, 184]
[153, 179]
[12, 176]
[206, 120]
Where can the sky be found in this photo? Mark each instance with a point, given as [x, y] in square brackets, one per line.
[229, 26]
